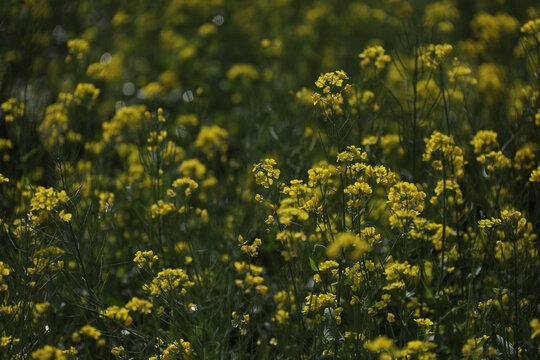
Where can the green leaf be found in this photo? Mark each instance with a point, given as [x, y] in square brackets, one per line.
[313, 264]
[429, 295]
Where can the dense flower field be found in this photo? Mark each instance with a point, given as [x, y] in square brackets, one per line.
[189, 179]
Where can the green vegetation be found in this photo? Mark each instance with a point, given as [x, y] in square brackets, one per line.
[184, 179]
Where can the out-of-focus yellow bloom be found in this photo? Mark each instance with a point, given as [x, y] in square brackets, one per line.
[90, 331]
[345, 240]
[435, 55]
[12, 109]
[374, 55]
[78, 48]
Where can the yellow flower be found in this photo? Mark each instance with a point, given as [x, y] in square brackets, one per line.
[143, 257]
[333, 87]
[319, 302]
[77, 47]
[12, 109]
[117, 350]
[535, 325]
[435, 55]
[65, 216]
[162, 208]
[344, 240]
[265, 173]
[141, 305]
[167, 280]
[379, 343]
[374, 55]
[484, 141]
[212, 139]
[406, 201]
[246, 72]
[423, 322]
[6, 340]
[535, 175]
[90, 331]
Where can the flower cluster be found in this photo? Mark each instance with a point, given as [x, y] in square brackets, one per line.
[145, 257]
[168, 280]
[332, 86]
[450, 155]
[435, 55]
[12, 109]
[265, 173]
[403, 226]
[532, 28]
[375, 56]
[406, 202]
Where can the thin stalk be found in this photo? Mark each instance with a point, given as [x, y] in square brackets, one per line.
[516, 297]
[415, 115]
[445, 103]
[437, 309]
